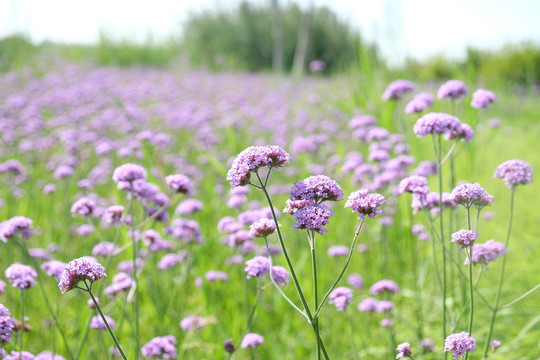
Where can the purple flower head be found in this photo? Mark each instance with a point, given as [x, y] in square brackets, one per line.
[404, 350]
[368, 304]
[514, 172]
[128, 173]
[262, 228]
[54, 268]
[49, 189]
[47, 355]
[470, 195]
[313, 217]
[486, 252]
[180, 183]
[427, 344]
[414, 184]
[213, 275]
[294, 205]
[280, 275]
[341, 297]
[121, 282]
[338, 250]
[192, 323]
[257, 267]
[436, 123]
[238, 238]
[356, 281]
[104, 248]
[384, 285]
[426, 168]
[16, 225]
[419, 103]
[155, 242]
[161, 347]
[252, 159]
[2, 287]
[494, 345]
[22, 355]
[464, 132]
[452, 89]
[229, 346]
[384, 306]
[85, 229]
[251, 340]
[7, 324]
[482, 98]
[317, 65]
[113, 214]
[365, 204]
[317, 188]
[459, 344]
[170, 260]
[80, 269]
[397, 89]
[63, 171]
[228, 224]
[84, 206]
[21, 276]
[97, 323]
[189, 231]
[188, 206]
[464, 238]
[387, 322]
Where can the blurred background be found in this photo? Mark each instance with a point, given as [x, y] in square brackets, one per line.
[422, 38]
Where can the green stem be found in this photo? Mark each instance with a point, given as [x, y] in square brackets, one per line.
[136, 304]
[315, 287]
[89, 290]
[501, 276]
[471, 290]
[521, 297]
[22, 322]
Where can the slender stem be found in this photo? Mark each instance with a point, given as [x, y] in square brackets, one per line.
[136, 304]
[351, 251]
[22, 322]
[501, 276]
[521, 297]
[89, 290]
[471, 290]
[449, 153]
[315, 288]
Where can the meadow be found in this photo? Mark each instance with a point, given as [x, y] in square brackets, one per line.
[67, 128]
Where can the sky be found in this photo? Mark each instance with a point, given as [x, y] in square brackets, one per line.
[402, 28]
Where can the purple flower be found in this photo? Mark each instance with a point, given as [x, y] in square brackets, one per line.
[280, 275]
[251, 340]
[459, 344]
[514, 172]
[316, 188]
[436, 123]
[482, 98]
[252, 159]
[193, 323]
[22, 355]
[384, 306]
[63, 171]
[80, 269]
[452, 89]
[384, 285]
[317, 65]
[54, 268]
[365, 204]
[341, 297]
[121, 282]
[213, 275]
[294, 205]
[228, 224]
[404, 350]
[414, 184]
[419, 103]
[426, 168]
[262, 228]
[128, 173]
[387, 322]
[154, 241]
[49, 189]
[188, 206]
[486, 252]
[229, 346]
[47, 355]
[97, 323]
[463, 131]
[7, 324]
[368, 304]
[15, 225]
[104, 248]
[180, 183]
[397, 89]
[85, 229]
[494, 345]
[188, 231]
[21, 276]
[427, 345]
[470, 195]
[113, 214]
[338, 250]
[464, 238]
[356, 281]
[257, 267]
[163, 347]
[84, 206]
[170, 260]
[313, 217]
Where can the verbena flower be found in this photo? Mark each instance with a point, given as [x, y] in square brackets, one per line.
[294, 205]
[395, 90]
[21, 276]
[368, 304]
[459, 344]
[419, 103]
[482, 98]
[340, 297]
[355, 280]
[464, 238]
[414, 184]
[79, 270]
[365, 204]
[280, 275]
[54, 268]
[384, 306]
[436, 123]
[262, 228]
[128, 173]
[494, 345]
[161, 347]
[121, 282]
[7, 324]
[514, 172]
[470, 195]
[464, 132]
[251, 340]
[338, 250]
[16, 225]
[257, 267]
[47, 355]
[313, 217]
[452, 89]
[180, 183]
[97, 323]
[104, 248]
[229, 346]
[252, 159]
[486, 252]
[317, 188]
[214, 275]
[384, 285]
[192, 323]
[189, 206]
[404, 350]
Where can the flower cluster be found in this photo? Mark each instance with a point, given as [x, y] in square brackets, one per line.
[192, 323]
[482, 98]
[251, 340]
[128, 173]
[459, 344]
[514, 172]
[21, 276]
[397, 89]
[7, 324]
[384, 285]
[341, 297]
[419, 103]
[317, 189]
[16, 225]
[180, 183]
[486, 252]
[252, 159]
[464, 238]
[79, 270]
[97, 323]
[262, 228]
[470, 195]
[404, 350]
[161, 347]
[365, 204]
[313, 217]
[452, 89]
[436, 123]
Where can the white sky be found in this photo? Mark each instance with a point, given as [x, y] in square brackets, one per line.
[417, 28]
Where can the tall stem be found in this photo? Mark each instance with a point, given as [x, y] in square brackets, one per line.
[136, 304]
[89, 290]
[22, 322]
[315, 287]
[501, 276]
